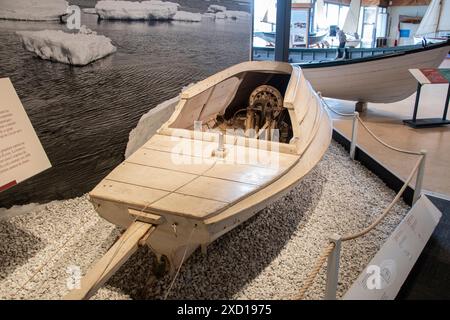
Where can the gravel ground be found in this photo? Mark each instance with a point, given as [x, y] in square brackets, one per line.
[268, 257]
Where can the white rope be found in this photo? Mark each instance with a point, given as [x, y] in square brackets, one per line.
[369, 131]
[181, 263]
[384, 143]
[333, 110]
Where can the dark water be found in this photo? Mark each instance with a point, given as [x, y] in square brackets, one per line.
[83, 115]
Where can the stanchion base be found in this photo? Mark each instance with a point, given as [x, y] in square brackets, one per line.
[426, 123]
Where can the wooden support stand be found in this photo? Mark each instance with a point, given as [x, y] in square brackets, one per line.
[116, 256]
[361, 106]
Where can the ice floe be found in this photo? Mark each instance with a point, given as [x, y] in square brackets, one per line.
[187, 16]
[89, 10]
[214, 8]
[229, 14]
[33, 10]
[145, 10]
[77, 49]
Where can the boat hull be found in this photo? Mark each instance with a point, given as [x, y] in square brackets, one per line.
[383, 79]
[193, 203]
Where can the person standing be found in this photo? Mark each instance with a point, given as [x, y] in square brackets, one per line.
[342, 40]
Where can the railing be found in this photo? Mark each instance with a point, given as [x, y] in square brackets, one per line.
[331, 252]
[309, 55]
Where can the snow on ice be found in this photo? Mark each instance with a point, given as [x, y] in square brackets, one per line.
[77, 49]
[33, 10]
[187, 16]
[145, 10]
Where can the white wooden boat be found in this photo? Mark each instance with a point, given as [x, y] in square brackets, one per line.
[195, 180]
[381, 79]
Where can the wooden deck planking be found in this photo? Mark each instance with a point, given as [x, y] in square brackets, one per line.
[134, 195]
[151, 177]
[170, 161]
[188, 205]
[217, 189]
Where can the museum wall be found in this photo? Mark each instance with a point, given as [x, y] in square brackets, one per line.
[394, 14]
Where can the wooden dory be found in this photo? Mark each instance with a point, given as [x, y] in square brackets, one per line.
[184, 188]
[379, 79]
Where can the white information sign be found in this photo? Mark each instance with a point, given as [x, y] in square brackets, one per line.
[21, 153]
[388, 270]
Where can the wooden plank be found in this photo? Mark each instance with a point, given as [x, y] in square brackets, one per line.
[171, 161]
[116, 256]
[146, 217]
[130, 194]
[259, 157]
[243, 173]
[188, 205]
[155, 178]
[217, 189]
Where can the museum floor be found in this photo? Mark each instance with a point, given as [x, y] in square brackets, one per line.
[385, 120]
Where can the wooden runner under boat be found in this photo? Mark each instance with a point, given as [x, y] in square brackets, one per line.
[205, 172]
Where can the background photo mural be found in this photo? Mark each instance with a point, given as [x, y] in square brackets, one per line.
[83, 115]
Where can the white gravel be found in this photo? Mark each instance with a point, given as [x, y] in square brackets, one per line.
[267, 257]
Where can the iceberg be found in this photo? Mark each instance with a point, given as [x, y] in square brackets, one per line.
[33, 10]
[214, 8]
[89, 10]
[221, 15]
[127, 10]
[77, 49]
[229, 14]
[187, 16]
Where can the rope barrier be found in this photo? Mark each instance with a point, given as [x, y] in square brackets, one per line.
[334, 110]
[315, 271]
[326, 251]
[384, 143]
[388, 208]
[368, 130]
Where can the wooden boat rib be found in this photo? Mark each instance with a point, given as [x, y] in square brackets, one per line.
[191, 187]
[379, 79]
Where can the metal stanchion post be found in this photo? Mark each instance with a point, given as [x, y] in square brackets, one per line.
[419, 177]
[333, 268]
[354, 134]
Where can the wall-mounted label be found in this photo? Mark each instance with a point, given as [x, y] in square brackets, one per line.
[21, 153]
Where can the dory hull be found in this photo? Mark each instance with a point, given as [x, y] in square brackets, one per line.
[383, 79]
[193, 203]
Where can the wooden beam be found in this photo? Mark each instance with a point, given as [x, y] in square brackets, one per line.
[116, 256]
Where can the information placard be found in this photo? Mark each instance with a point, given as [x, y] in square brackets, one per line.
[389, 268]
[21, 152]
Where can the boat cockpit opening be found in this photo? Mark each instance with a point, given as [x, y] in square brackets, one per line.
[249, 104]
